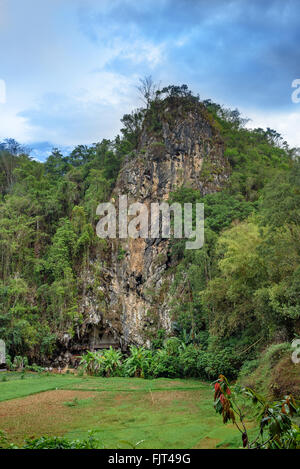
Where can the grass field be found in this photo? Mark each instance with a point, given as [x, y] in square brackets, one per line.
[165, 413]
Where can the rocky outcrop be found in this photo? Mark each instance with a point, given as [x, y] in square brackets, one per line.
[186, 151]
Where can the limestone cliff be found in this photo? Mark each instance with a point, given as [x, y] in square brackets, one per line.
[184, 148]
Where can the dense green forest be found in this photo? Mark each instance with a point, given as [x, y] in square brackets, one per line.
[233, 299]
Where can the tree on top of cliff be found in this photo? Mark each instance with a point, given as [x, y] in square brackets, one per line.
[147, 90]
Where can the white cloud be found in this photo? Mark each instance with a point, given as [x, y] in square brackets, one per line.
[14, 126]
[71, 66]
[60, 86]
[105, 88]
[89, 114]
[144, 51]
[286, 123]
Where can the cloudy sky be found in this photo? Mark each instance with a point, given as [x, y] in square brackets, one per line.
[70, 66]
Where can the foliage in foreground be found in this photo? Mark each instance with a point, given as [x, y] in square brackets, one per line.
[174, 359]
[59, 442]
[276, 427]
[52, 442]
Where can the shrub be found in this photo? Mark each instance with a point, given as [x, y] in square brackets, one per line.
[277, 351]
[55, 442]
[138, 362]
[112, 362]
[276, 429]
[225, 361]
[248, 367]
[164, 365]
[174, 359]
[188, 361]
[34, 367]
[106, 363]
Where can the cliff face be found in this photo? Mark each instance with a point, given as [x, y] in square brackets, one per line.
[186, 150]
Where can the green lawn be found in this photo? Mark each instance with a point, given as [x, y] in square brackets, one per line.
[31, 383]
[165, 413]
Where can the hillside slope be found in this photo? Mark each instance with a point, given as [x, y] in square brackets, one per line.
[64, 290]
